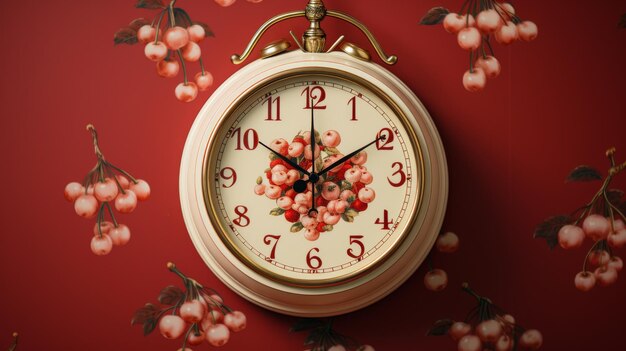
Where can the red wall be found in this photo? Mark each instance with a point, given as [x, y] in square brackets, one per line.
[560, 102]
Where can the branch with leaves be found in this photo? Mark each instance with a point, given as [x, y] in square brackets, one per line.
[601, 219]
[194, 314]
[105, 187]
[13, 345]
[322, 337]
[474, 25]
[170, 37]
[494, 329]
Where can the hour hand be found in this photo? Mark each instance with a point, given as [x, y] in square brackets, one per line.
[291, 163]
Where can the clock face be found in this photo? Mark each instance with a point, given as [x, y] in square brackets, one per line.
[266, 209]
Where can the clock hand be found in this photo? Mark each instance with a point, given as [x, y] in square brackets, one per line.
[349, 156]
[313, 179]
[291, 163]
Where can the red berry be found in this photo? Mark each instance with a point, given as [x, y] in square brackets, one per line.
[605, 276]
[320, 227]
[146, 34]
[204, 81]
[186, 92]
[571, 236]
[291, 193]
[126, 203]
[507, 34]
[448, 242]
[225, 3]
[469, 38]
[596, 227]
[86, 206]
[167, 68]
[488, 21]
[196, 33]
[141, 189]
[490, 65]
[218, 334]
[176, 37]
[489, 331]
[292, 216]
[527, 30]
[470, 343]
[101, 245]
[73, 190]
[617, 239]
[436, 280]
[120, 235]
[155, 51]
[474, 80]
[585, 281]
[458, 330]
[105, 191]
[104, 227]
[192, 311]
[191, 52]
[196, 339]
[357, 186]
[358, 205]
[320, 201]
[235, 321]
[599, 258]
[531, 339]
[171, 326]
[616, 263]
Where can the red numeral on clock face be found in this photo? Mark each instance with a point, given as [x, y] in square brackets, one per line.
[242, 220]
[317, 94]
[389, 137]
[385, 222]
[354, 239]
[353, 103]
[314, 262]
[249, 139]
[268, 241]
[270, 102]
[399, 172]
[228, 173]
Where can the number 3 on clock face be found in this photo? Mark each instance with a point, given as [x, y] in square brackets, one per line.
[363, 207]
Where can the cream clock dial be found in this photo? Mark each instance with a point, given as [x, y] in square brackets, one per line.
[362, 207]
[274, 233]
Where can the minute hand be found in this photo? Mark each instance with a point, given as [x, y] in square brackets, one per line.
[292, 164]
[349, 156]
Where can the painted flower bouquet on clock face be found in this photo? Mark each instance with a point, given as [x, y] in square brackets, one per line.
[340, 194]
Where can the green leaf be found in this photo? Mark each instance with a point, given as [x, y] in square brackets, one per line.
[277, 211]
[328, 228]
[434, 16]
[584, 174]
[273, 156]
[549, 229]
[148, 311]
[345, 185]
[149, 325]
[347, 218]
[441, 327]
[182, 18]
[149, 4]
[351, 212]
[138, 23]
[296, 227]
[332, 151]
[125, 35]
[259, 180]
[171, 295]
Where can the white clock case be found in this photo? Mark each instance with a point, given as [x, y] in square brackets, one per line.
[308, 301]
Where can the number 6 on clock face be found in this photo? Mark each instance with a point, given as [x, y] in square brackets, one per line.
[320, 176]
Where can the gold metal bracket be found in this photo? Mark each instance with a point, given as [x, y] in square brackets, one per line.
[314, 38]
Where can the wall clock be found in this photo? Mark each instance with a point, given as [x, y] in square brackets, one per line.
[313, 182]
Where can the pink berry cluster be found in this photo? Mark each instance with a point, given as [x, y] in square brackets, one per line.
[196, 314]
[474, 25]
[101, 187]
[171, 41]
[436, 279]
[341, 193]
[322, 336]
[487, 328]
[601, 221]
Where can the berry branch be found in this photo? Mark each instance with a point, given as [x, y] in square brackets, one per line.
[437, 279]
[197, 312]
[13, 345]
[494, 328]
[322, 336]
[101, 186]
[601, 219]
[474, 25]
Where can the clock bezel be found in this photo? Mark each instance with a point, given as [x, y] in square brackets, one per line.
[220, 131]
[332, 300]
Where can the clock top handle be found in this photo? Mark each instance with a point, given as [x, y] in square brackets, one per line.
[314, 38]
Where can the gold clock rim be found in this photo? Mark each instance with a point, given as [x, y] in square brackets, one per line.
[209, 161]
